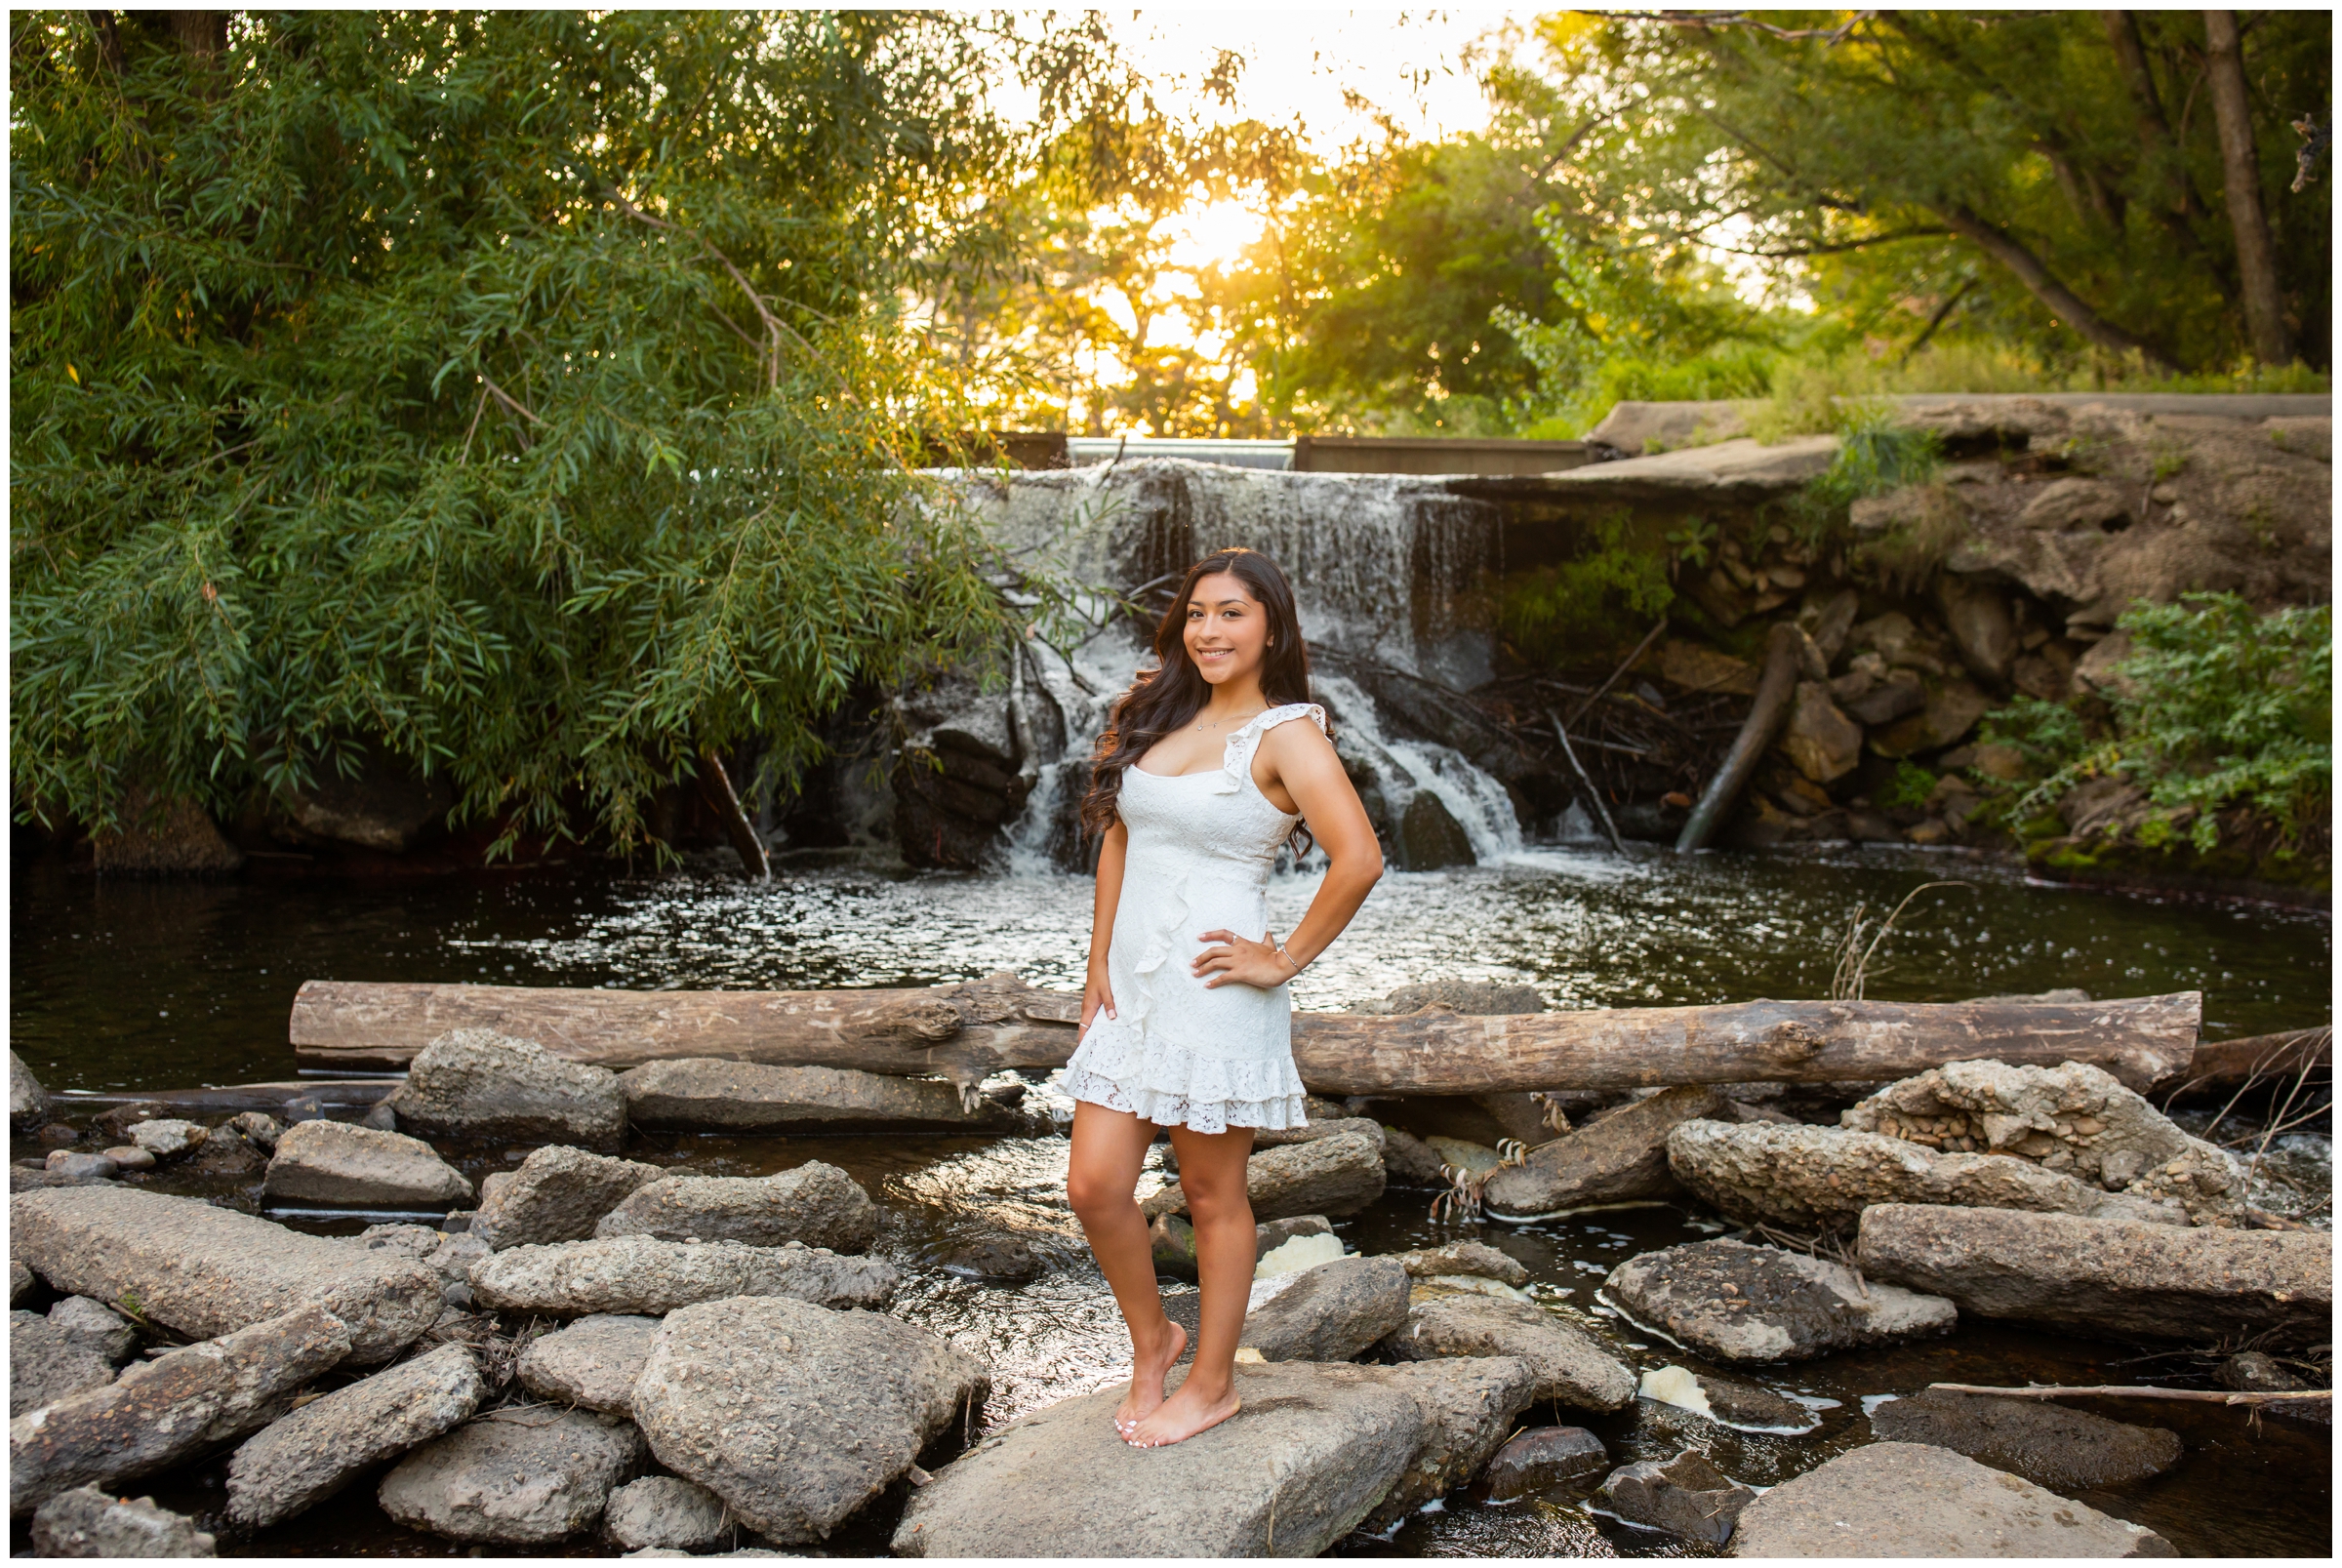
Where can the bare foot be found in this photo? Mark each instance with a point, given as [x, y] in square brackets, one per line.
[1147, 1377]
[1182, 1416]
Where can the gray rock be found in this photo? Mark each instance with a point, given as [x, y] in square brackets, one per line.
[450, 1257]
[171, 1409]
[525, 1476]
[162, 835]
[88, 1522]
[295, 1464]
[47, 1361]
[169, 1136]
[27, 1100]
[96, 1326]
[795, 1415]
[2071, 1119]
[1175, 1239]
[1310, 1131]
[1316, 1449]
[661, 1511]
[1819, 740]
[644, 1275]
[255, 1127]
[1571, 1368]
[700, 1094]
[381, 1117]
[992, 1255]
[20, 1282]
[129, 1157]
[2255, 1371]
[2034, 1438]
[817, 1204]
[559, 1194]
[1813, 1178]
[1429, 836]
[1686, 1496]
[1730, 1301]
[21, 1180]
[336, 1162]
[1617, 1158]
[1734, 472]
[1910, 1499]
[304, 1107]
[1470, 1405]
[1331, 1312]
[1546, 1459]
[478, 1083]
[77, 1167]
[2110, 1276]
[594, 1362]
[1730, 1403]
[206, 1272]
[1410, 1161]
[1334, 1176]
[1475, 1259]
[1646, 428]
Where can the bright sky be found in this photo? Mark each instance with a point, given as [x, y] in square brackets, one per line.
[1301, 63]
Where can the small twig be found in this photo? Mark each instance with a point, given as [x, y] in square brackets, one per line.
[1591, 793]
[1649, 638]
[2209, 1396]
[479, 409]
[506, 398]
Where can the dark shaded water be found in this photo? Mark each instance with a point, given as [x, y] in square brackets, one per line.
[122, 987]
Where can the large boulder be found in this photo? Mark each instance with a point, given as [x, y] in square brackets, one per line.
[1819, 740]
[2040, 1441]
[705, 1094]
[645, 1275]
[1544, 1459]
[449, 1256]
[795, 1415]
[2110, 1276]
[2073, 1120]
[1731, 1302]
[1314, 1452]
[1331, 1175]
[1570, 1368]
[171, 1409]
[206, 1272]
[592, 1363]
[1470, 1405]
[1685, 1496]
[27, 1100]
[1620, 1157]
[526, 1476]
[295, 1464]
[817, 1204]
[1474, 1259]
[1910, 1499]
[156, 836]
[559, 1194]
[1951, 710]
[385, 805]
[662, 1512]
[1818, 1177]
[90, 1522]
[477, 1083]
[1331, 1312]
[74, 1349]
[336, 1162]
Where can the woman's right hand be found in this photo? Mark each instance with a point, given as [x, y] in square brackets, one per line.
[1096, 996]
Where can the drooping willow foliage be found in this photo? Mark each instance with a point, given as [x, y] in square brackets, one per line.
[522, 395]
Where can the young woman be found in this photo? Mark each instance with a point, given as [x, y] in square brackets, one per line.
[1186, 1023]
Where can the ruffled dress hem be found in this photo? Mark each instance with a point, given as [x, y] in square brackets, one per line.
[1171, 1086]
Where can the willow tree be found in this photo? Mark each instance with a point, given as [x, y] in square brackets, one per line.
[523, 395]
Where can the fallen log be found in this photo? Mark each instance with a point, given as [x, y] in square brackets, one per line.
[1775, 687]
[964, 1032]
[2222, 1065]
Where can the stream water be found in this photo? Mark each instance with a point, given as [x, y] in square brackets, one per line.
[125, 986]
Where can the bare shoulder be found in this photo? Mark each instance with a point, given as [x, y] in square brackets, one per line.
[1296, 743]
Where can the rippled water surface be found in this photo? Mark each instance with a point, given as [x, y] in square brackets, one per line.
[137, 986]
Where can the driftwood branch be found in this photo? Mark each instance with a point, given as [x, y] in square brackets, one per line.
[1601, 811]
[1774, 689]
[965, 1031]
[2209, 1396]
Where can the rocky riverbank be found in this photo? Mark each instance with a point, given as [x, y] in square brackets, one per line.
[624, 1352]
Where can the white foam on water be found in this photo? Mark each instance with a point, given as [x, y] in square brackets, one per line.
[1676, 1386]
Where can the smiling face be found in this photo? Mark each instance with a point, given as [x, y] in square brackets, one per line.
[1227, 631]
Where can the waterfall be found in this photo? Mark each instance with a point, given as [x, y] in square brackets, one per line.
[1380, 565]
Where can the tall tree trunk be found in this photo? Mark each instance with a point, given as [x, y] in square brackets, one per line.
[2240, 164]
[2155, 131]
[2011, 252]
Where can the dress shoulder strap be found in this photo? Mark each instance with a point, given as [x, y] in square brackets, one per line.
[1291, 710]
[1235, 769]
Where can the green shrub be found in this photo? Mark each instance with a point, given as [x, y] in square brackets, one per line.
[1552, 612]
[2214, 704]
[1910, 787]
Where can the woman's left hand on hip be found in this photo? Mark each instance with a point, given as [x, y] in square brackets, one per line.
[1244, 961]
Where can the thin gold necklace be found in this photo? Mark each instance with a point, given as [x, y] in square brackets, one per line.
[1216, 723]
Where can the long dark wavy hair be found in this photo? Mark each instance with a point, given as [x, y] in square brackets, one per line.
[1161, 700]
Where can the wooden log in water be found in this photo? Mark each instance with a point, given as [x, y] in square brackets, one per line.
[965, 1031]
[1775, 687]
[2222, 1067]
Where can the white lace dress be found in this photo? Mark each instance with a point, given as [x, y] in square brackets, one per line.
[1178, 1053]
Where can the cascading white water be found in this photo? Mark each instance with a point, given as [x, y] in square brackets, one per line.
[1377, 563]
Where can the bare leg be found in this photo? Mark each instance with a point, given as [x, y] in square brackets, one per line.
[1102, 1177]
[1212, 1174]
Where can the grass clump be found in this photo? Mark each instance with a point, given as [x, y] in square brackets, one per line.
[1552, 611]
